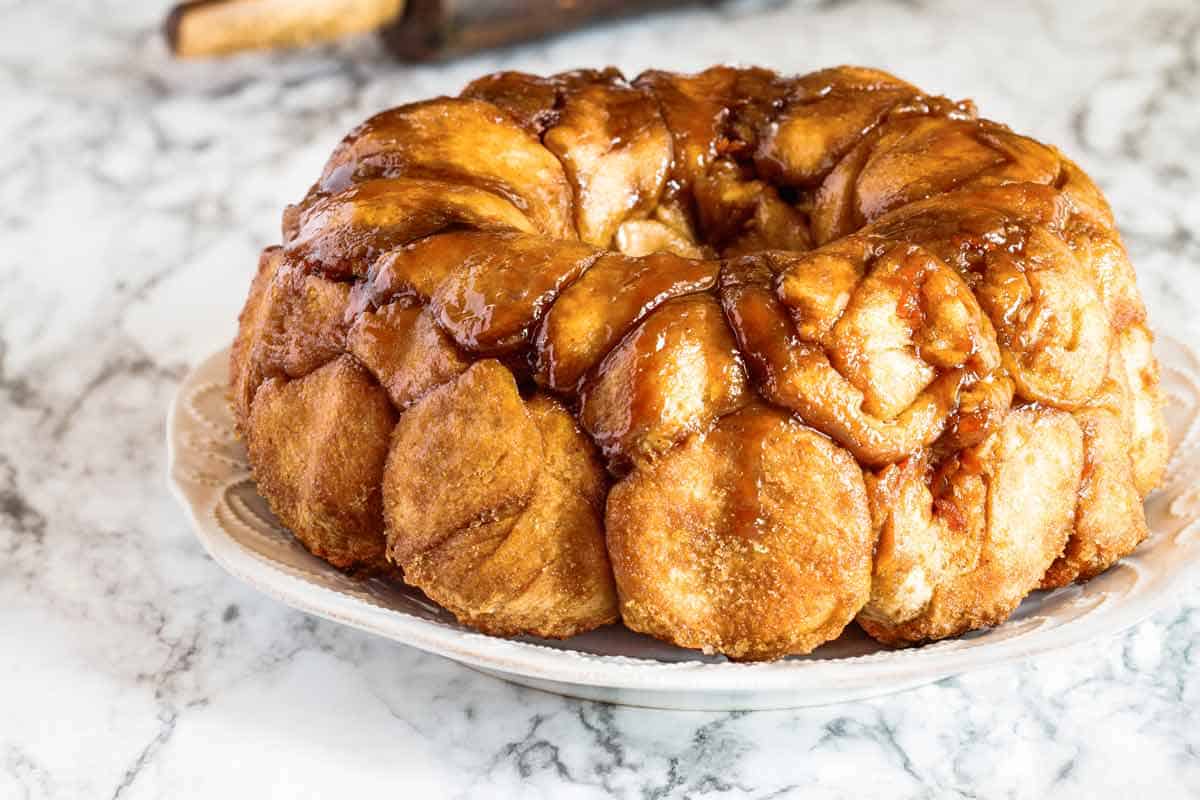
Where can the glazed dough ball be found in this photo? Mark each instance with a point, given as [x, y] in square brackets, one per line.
[752, 540]
[960, 548]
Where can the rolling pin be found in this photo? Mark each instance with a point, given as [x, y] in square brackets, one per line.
[414, 30]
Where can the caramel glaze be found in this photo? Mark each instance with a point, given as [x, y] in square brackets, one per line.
[892, 270]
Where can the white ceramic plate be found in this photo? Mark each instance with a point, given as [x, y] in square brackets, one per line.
[208, 472]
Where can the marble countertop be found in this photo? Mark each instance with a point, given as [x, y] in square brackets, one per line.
[135, 194]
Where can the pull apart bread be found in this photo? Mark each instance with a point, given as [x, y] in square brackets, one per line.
[733, 357]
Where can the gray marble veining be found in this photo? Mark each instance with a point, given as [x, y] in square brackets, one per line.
[134, 195]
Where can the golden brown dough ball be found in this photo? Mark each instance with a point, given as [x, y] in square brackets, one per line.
[318, 446]
[753, 540]
[494, 508]
[960, 548]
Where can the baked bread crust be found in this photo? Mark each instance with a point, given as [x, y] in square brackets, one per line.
[734, 357]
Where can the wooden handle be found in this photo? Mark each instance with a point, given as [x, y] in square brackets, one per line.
[441, 28]
[201, 28]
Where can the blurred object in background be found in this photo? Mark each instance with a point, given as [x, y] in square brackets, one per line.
[413, 30]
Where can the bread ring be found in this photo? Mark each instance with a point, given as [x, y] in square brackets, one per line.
[839, 349]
